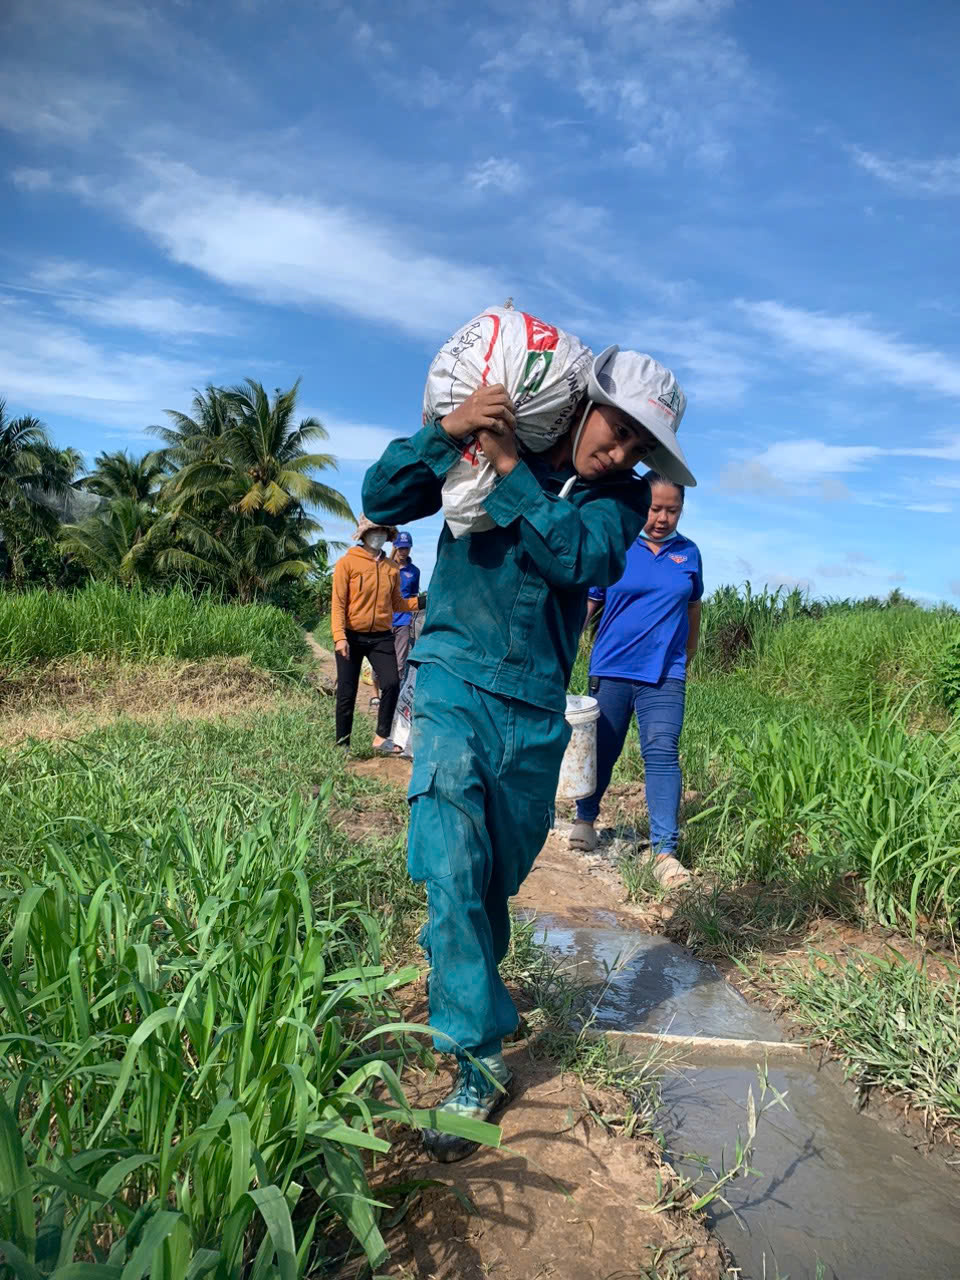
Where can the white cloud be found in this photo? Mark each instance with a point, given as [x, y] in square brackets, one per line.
[497, 174]
[106, 298]
[283, 249]
[54, 106]
[49, 366]
[795, 463]
[32, 179]
[852, 347]
[937, 177]
[357, 441]
[932, 508]
[149, 313]
[713, 366]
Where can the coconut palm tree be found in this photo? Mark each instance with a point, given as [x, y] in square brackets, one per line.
[243, 509]
[118, 475]
[32, 477]
[113, 543]
[190, 439]
[261, 465]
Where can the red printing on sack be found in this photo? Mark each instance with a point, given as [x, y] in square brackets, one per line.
[489, 351]
[540, 336]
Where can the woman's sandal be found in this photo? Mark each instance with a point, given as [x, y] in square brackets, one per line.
[669, 871]
[387, 748]
[583, 837]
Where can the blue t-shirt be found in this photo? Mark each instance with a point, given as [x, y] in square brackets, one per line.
[643, 628]
[409, 586]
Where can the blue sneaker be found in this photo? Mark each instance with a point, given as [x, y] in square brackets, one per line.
[474, 1097]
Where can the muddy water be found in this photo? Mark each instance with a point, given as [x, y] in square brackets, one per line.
[836, 1191]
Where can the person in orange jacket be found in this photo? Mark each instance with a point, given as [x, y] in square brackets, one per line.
[366, 595]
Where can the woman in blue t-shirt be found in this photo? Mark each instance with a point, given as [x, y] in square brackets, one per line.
[647, 634]
[402, 622]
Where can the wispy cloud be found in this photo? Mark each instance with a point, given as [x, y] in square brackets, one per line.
[810, 465]
[357, 441]
[853, 347]
[55, 106]
[714, 365]
[937, 177]
[108, 299]
[283, 249]
[32, 179]
[53, 366]
[498, 174]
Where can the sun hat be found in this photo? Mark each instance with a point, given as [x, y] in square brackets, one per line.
[365, 525]
[403, 539]
[647, 392]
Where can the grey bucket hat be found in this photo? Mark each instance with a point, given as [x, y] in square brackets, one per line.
[650, 394]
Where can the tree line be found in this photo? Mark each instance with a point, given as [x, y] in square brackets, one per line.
[227, 502]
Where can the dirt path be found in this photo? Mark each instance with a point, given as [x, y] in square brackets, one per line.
[563, 1199]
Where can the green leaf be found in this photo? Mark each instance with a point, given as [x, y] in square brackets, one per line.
[16, 1184]
[142, 1033]
[161, 1225]
[352, 1201]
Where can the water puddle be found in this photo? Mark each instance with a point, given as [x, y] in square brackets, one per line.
[836, 1192]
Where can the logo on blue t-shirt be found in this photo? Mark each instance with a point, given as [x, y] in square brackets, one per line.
[679, 559]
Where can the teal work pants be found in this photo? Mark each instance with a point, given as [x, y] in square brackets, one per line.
[481, 804]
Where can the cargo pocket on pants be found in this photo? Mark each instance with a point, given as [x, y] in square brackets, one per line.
[427, 857]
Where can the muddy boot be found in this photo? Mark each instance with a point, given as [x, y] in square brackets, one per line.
[474, 1097]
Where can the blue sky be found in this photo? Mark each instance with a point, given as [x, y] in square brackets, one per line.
[765, 197]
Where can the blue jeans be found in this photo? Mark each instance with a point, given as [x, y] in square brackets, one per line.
[659, 712]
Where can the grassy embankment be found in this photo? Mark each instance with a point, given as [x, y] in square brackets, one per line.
[826, 753]
[176, 921]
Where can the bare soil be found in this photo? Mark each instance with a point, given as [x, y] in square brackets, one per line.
[563, 1198]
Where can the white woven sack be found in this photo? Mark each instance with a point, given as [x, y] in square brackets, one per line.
[545, 372]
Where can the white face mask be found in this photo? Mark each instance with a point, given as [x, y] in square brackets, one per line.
[375, 540]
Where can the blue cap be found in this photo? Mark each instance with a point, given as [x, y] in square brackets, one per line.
[403, 539]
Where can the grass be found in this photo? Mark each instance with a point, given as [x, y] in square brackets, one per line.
[323, 632]
[841, 665]
[136, 625]
[133, 777]
[196, 986]
[893, 1025]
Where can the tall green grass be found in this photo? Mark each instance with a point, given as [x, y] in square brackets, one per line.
[195, 1069]
[803, 798]
[105, 620]
[130, 777]
[842, 663]
[198, 1051]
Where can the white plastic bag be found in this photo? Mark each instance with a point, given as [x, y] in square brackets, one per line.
[545, 372]
[403, 716]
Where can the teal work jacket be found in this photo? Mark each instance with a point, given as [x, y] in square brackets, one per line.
[506, 606]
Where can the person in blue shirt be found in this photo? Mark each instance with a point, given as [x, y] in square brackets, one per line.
[647, 635]
[402, 622]
[409, 586]
[503, 621]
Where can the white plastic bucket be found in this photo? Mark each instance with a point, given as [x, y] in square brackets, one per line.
[578, 772]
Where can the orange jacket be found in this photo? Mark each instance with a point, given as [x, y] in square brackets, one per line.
[366, 594]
